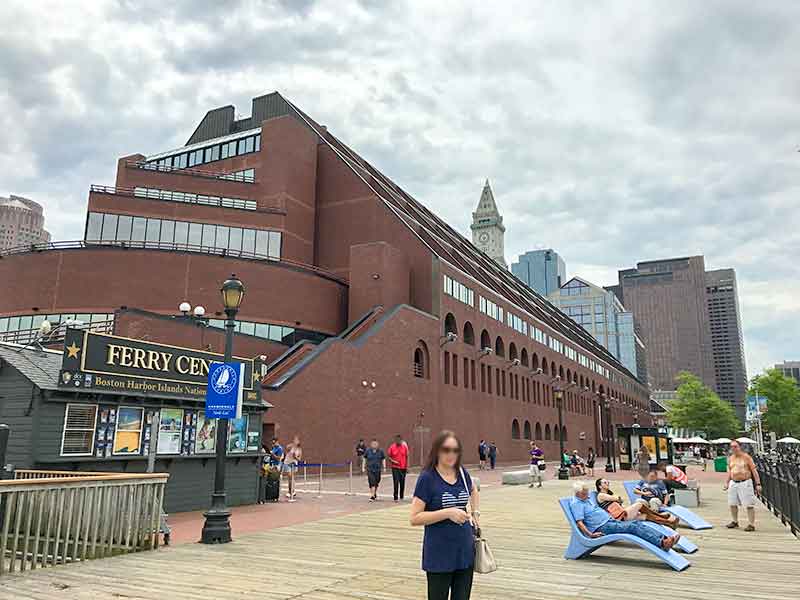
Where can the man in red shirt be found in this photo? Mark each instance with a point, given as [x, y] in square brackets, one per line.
[398, 459]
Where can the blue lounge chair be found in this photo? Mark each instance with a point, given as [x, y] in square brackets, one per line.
[684, 544]
[581, 546]
[686, 516]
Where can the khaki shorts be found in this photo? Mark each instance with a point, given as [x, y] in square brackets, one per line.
[741, 493]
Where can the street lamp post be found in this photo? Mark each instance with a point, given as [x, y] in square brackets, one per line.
[563, 472]
[217, 527]
[609, 434]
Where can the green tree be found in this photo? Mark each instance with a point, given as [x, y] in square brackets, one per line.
[698, 407]
[783, 401]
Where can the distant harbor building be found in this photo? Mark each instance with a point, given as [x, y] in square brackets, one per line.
[542, 270]
[488, 231]
[21, 222]
[601, 313]
[790, 368]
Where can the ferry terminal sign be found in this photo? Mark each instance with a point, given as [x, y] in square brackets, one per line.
[115, 364]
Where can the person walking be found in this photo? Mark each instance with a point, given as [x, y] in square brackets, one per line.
[398, 459]
[375, 460]
[361, 447]
[643, 461]
[537, 461]
[482, 450]
[446, 503]
[293, 458]
[742, 484]
[492, 454]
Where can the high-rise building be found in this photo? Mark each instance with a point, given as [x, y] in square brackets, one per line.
[488, 231]
[21, 222]
[726, 338]
[790, 368]
[601, 313]
[668, 300]
[542, 270]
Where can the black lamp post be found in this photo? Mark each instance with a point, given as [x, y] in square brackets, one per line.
[217, 527]
[609, 435]
[563, 471]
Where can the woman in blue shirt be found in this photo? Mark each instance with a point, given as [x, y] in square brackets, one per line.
[446, 503]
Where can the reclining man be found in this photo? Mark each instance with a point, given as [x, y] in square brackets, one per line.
[594, 522]
[652, 491]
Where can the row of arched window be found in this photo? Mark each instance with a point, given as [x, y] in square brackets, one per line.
[546, 434]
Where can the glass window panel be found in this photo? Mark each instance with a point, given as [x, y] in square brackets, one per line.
[191, 159]
[232, 148]
[249, 144]
[3, 325]
[207, 157]
[37, 320]
[258, 142]
[167, 231]
[153, 230]
[242, 146]
[249, 241]
[124, 225]
[25, 322]
[139, 229]
[275, 244]
[276, 333]
[235, 242]
[94, 226]
[247, 327]
[262, 330]
[195, 234]
[222, 236]
[209, 236]
[109, 228]
[262, 243]
[83, 317]
[181, 232]
[224, 148]
[215, 153]
[13, 323]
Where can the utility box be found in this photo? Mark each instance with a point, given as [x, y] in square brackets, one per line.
[721, 464]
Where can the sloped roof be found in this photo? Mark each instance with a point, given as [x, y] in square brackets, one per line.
[41, 367]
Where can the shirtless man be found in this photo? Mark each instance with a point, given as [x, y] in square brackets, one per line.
[742, 474]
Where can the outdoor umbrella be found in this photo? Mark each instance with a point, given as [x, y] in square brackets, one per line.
[720, 441]
[696, 440]
[746, 440]
[788, 440]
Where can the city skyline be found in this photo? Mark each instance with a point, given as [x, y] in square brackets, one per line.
[629, 159]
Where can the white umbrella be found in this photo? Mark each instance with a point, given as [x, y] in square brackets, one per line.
[720, 441]
[679, 440]
[746, 440]
[788, 440]
[696, 440]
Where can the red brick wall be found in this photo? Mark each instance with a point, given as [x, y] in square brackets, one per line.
[379, 275]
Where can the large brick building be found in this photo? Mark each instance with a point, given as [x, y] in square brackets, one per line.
[377, 317]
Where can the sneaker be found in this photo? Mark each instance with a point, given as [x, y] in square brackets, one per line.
[292, 500]
[732, 525]
[750, 528]
[372, 498]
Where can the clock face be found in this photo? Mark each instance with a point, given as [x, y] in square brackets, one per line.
[484, 237]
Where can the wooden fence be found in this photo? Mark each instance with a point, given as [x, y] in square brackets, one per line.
[56, 517]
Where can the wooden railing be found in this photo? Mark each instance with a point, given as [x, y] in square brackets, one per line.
[56, 517]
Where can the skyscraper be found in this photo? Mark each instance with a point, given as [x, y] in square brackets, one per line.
[488, 231]
[668, 301]
[726, 337]
[790, 368]
[542, 270]
[21, 222]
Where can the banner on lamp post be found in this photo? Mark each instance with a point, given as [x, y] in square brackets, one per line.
[224, 391]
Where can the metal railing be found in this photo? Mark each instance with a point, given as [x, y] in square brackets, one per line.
[51, 517]
[182, 197]
[780, 482]
[26, 336]
[168, 246]
[151, 166]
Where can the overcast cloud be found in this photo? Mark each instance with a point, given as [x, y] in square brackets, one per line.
[613, 132]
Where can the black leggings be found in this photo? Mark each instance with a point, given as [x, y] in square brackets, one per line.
[441, 584]
[399, 481]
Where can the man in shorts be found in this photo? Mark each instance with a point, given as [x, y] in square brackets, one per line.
[537, 458]
[742, 485]
[376, 461]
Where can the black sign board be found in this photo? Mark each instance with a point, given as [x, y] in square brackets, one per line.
[108, 363]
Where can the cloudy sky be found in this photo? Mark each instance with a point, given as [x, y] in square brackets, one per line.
[611, 131]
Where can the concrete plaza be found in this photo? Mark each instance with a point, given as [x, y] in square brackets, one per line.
[373, 554]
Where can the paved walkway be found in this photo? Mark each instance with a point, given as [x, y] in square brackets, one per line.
[374, 555]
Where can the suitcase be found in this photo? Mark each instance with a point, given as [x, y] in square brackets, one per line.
[272, 490]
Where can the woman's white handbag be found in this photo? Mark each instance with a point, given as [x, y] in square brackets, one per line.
[484, 558]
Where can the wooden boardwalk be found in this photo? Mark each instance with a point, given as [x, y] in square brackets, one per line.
[375, 556]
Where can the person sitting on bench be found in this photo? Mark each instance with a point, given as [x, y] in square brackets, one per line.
[594, 522]
[576, 464]
[674, 478]
[612, 503]
[652, 490]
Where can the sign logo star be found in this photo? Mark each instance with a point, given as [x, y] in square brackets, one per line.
[72, 350]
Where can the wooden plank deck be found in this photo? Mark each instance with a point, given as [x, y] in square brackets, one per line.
[375, 556]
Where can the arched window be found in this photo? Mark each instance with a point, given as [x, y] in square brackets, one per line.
[469, 334]
[527, 430]
[537, 431]
[545, 368]
[514, 429]
[421, 361]
[555, 433]
[561, 372]
[450, 325]
[512, 351]
[486, 341]
[524, 357]
[547, 432]
[569, 376]
[594, 389]
[564, 433]
[535, 362]
[499, 348]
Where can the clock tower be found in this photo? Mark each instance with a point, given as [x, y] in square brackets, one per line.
[487, 227]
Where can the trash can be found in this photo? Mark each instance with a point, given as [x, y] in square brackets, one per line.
[721, 464]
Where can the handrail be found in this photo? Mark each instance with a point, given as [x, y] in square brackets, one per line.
[80, 477]
[151, 166]
[168, 246]
[147, 193]
[780, 489]
[25, 336]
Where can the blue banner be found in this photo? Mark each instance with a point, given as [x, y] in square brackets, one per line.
[224, 391]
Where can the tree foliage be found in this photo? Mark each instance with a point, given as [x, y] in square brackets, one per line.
[783, 402]
[698, 407]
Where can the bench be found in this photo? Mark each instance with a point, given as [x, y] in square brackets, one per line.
[581, 546]
[516, 477]
[686, 516]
